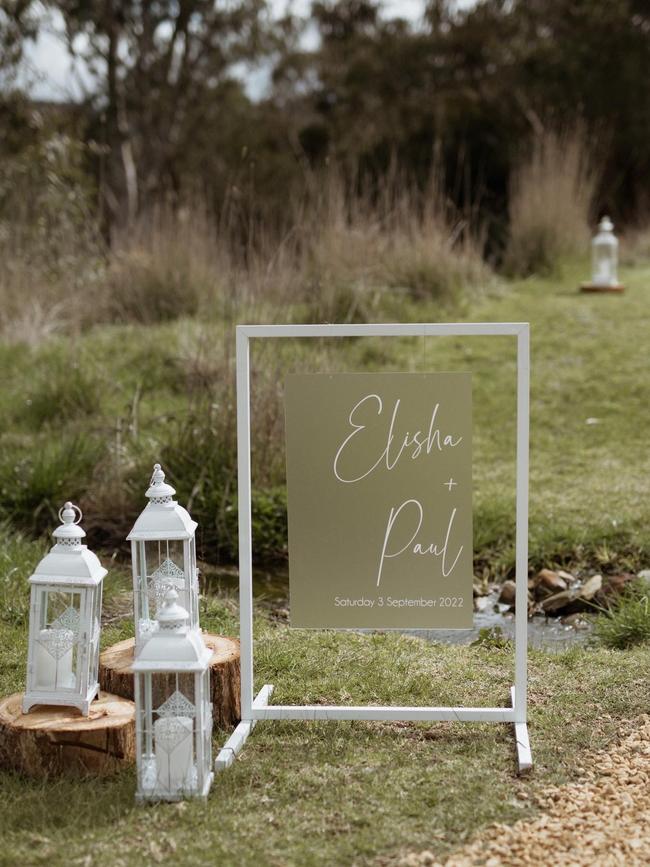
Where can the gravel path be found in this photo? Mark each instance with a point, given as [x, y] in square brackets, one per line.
[601, 821]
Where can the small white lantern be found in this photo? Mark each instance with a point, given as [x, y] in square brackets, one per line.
[64, 621]
[173, 710]
[163, 552]
[604, 250]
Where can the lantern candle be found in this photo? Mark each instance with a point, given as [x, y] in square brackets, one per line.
[173, 738]
[54, 659]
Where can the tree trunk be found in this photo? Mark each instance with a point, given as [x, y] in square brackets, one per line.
[116, 675]
[51, 741]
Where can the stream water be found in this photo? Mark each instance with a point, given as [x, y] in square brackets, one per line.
[549, 633]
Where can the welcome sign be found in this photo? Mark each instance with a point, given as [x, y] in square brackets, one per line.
[379, 477]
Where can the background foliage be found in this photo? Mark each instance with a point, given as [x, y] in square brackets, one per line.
[465, 91]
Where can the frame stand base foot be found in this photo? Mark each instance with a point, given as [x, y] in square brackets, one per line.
[524, 754]
[239, 737]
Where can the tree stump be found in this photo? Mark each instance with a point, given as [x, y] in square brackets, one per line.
[51, 741]
[116, 675]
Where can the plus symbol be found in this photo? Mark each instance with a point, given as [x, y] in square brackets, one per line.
[450, 484]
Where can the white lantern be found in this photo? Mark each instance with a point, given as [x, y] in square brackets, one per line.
[163, 552]
[604, 249]
[64, 621]
[173, 710]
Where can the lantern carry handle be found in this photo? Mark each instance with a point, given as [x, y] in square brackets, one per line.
[75, 508]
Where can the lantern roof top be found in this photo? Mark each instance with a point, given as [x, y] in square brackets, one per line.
[162, 517]
[605, 236]
[69, 561]
[173, 646]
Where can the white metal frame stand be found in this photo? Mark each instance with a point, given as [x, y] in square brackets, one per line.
[259, 708]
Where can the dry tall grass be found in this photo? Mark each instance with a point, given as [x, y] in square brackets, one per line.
[363, 250]
[50, 249]
[635, 245]
[167, 265]
[341, 256]
[551, 197]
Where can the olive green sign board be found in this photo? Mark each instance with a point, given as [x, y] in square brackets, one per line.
[379, 478]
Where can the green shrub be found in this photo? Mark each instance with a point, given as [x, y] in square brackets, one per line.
[36, 481]
[65, 389]
[200, 457]
[18, 557]
[627, 622]
[268, 526]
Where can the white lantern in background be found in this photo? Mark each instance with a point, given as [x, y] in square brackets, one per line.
[163, 552]
[604, 248]
[173, 710]
[64, 621]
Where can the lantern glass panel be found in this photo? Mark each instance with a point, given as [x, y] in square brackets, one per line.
[95, 632]
[143, 614]
[194, 579]
[604, 263]
[168, 728]
[56, 651]
[207, 726]
[165, 568]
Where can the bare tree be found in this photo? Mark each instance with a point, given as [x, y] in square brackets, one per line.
[155, 65]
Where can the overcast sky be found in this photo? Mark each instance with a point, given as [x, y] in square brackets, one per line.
[48, 74]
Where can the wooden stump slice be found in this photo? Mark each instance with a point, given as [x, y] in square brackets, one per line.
[116, 675]
[51, 741]
[595, 287]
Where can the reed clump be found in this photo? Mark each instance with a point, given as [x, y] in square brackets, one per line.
[552, 191]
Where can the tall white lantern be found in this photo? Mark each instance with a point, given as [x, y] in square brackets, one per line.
[64, 621]
[163, 552]
[173, 710]
[604, 253]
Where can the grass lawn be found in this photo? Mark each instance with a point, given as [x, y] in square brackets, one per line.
[338, 792]
[343, 793]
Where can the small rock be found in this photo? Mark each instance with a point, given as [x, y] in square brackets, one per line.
[508, 593]
[576, 620]
[550, 581]
[481, 603]
[591, 587]
[558, 601]
[567, 576]
[615, 584]
[644, 575]
[533, 606]
[574, 599]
